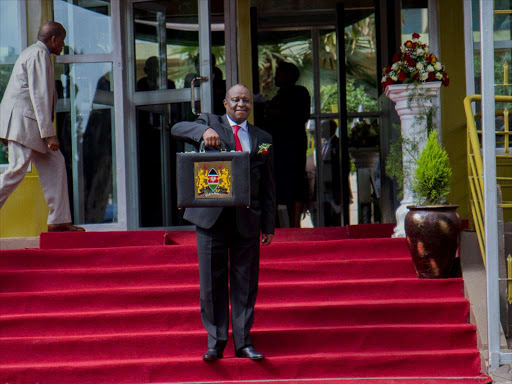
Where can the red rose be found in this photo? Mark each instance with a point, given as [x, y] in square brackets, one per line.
[414, 45]
[408, 44]
[415, 35]
[446, 81]
[445, 75]
[416, 76]
[429, 59]
[401, 76]
[396, 57]
[387, 70]
[431, 76]
[385, 84]
[411, 63]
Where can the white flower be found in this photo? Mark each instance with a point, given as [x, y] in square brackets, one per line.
[430, 68]
[394, 67]
[438, 66]
[439, 76]
[394, 78]
[427, 49]
[383, 79]
[402, 48]
[424, 76]
[420, 51]
[419, 66]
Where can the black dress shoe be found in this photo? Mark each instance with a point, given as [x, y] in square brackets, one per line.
[212, 354]
[249, 353]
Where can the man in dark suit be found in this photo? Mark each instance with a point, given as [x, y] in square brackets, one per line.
[232, 232]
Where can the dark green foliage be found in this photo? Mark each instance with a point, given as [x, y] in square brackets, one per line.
[394, 166]
[433, 175]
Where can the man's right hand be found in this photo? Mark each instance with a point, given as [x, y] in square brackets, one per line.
[211, 138]
[53, 143]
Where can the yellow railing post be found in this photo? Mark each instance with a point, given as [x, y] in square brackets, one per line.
[475, 162]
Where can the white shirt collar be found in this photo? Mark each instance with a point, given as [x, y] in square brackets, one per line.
[242, 125]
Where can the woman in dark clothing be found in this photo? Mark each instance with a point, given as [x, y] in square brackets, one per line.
[286, 116]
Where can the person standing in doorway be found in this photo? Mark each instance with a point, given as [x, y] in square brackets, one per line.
[232, 233]
[26, 126]
[285, 117]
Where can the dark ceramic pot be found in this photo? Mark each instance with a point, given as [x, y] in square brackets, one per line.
[433, 233]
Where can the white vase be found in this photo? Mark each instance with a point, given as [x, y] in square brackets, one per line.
[411, 103]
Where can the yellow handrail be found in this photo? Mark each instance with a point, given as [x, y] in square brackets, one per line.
[475, 164]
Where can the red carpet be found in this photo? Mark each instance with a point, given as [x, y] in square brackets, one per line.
[330, 309]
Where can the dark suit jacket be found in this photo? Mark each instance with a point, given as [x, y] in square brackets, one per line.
[261, 214]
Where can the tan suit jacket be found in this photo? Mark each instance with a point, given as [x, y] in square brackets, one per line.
[28, 104]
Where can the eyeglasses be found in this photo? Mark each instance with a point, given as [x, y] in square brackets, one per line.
[237, 100]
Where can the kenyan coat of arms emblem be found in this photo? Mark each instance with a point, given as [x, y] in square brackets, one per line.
[213, 179]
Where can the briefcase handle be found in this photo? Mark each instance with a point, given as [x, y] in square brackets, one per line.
[202, 146]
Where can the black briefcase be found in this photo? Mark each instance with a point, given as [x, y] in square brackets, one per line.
[213, 179]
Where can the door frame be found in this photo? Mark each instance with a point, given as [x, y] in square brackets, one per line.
[135, 99]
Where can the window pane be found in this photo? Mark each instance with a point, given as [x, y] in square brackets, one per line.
[85, 127]
[88, 25]
[10, 47]
[157, 163]
[291, 46]
[361, 59]
[166, 44]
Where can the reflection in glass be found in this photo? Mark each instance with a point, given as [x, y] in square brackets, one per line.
[88, 25]
[157, 163]
[415, 20]
[331, 173]
[166, 43]
[85, 127]
[364, 151]
[361, 65]
[10, 48]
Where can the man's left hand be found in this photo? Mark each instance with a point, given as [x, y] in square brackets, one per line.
[53, 143]
[266, 238]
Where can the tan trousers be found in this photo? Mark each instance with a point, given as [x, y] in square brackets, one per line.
[52, 175]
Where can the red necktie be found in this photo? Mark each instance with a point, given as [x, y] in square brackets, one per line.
[238, 144]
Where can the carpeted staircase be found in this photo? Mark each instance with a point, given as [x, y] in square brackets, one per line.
[328, 311]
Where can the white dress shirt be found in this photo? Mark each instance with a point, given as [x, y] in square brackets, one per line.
[243, 134]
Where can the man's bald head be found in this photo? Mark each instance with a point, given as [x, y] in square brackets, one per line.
[52, 34]
[49, 30]
[238, 103]
[236, 86]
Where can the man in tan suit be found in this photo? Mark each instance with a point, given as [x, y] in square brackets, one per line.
[26, 126]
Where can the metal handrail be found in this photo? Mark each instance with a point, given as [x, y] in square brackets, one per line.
[475, 163]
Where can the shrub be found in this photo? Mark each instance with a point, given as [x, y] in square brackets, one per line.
[431, 183]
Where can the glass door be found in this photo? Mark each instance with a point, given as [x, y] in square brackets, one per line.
[169, 80]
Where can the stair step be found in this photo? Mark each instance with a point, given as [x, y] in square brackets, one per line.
[64, 279]
[306, 314]
[455, 363]
[278, 342]
[269, 292]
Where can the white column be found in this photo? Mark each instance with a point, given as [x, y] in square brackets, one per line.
[412, 104]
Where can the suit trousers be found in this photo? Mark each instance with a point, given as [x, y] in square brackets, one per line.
[51, 167]
[224, 254]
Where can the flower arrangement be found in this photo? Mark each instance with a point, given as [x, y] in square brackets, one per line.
[414, 64]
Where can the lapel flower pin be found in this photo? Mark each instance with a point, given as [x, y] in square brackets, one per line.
[263, 148]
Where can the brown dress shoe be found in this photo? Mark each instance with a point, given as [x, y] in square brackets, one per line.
[65, 227]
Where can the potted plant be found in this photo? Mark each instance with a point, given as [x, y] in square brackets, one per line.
[413, 81]
[432, 227]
